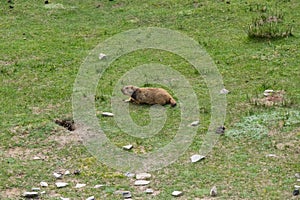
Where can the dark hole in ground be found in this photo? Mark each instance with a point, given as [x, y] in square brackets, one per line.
[66, 123]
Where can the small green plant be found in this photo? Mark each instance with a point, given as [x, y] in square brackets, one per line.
[270, 26]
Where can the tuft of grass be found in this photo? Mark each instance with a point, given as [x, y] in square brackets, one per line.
[269, 25]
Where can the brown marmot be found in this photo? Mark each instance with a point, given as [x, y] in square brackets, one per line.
[148, 95]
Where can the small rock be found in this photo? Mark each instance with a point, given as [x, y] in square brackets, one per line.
[43, 184]
[297, 187]
[297, 175]
[35, 189]
[61, 184]
[195, 123]
[268, 92]
[37, 158]
[43, 192]
[91, 198]
[213, 191]
[98, 186]
[126, 195]
[296, 192]
[76, 172]
[78, 185]
[224, 91]
[107, 114]
[128, 147]
[177, 193]
[129, 174]
[196, 158]
[62, 198]
[149, 191]
[141, 182]
[30, 194]
[67, 172]
[142, 176]
[272, 155]
[102, 56]
[298, 180]
[57, 175]
[220, 130]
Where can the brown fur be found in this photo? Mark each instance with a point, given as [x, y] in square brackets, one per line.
[148, 95]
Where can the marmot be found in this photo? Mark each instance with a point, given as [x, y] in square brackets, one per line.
[148, 95]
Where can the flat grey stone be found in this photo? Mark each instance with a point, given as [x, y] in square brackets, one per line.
[196, 158]
[102, 56]
[90, 198]
[141, 182]
[43, 184]
[30, 194]
[35, 189]
[129, 174]
[98, 186]
[142, 176]
[128, 147]
[57, 175]
[107, 114]
[213, 191]
[61, 184]
[224, 91]
[177, 193]
[80, 185]
[195, 123]
[149, 191]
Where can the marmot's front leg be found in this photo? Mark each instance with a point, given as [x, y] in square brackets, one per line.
[132, 100]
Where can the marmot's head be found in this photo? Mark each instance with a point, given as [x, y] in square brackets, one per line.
[129, 90]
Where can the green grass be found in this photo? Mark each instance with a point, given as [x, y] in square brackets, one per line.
[40, 55]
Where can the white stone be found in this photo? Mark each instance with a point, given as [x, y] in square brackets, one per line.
[268, 92]
[98, 186]
[43, 184]
[224, 91]
[43, 192]
[272, 155]
[90, 198]
[57, 175]
[128, 147]
[62, 198]
[177, 193]
[107, 114]
[142, 176]
[102, 56]
[129, 174]
[297, 187]
[195, 123]
[35, 189]
[30, 194]
[37, 158]
[61, 184]
[196, 158]
[67, 172]
[79, 185]
[298, 180]
[141, 182]
[149, 191]
[213, 191]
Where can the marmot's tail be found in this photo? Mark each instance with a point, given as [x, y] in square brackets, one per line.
[172, 102]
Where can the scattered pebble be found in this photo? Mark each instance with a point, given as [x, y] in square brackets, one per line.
[57, 175]
[43, 184]
[141, 182]
[298, 180]
[128, 147]
[272, 155]
[61, 184]
[30, 194]
[91, 198]
[37, 158]
[62, 198]
[220, 130]
[79, 185]
[35, 189]
[268, 92]
[102, 56]
[149, 191]
[43, 192]
[129, 174]
[76, 172]
[142, 176]
[67, 172]
[224, 91]
[98, 186]
[297, 187]
[126, 195]
[107, 114]
[177, 193]
[196, 158]
[297, 175]
[195, 123]
[213, 191]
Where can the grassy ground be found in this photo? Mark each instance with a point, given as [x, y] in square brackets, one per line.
[43, 46]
